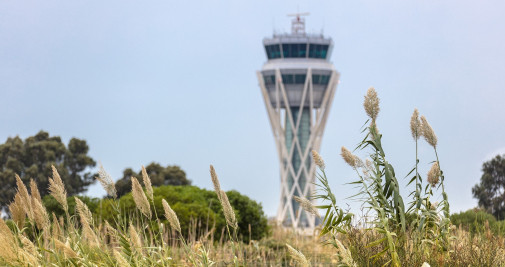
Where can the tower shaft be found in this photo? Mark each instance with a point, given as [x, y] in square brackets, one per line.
[298, 84]
[297, 129]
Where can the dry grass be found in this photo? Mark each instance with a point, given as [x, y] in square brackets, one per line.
[81, 240]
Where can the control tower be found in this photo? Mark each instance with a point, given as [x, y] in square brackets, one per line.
[298, 83]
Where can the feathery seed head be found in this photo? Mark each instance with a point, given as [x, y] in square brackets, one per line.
[307, 205]
[371, 104]
[122, 262]
[57, 232]
[428, 132]
[345, 254]
[17, 211]
[135, 239]
[35, 190]
[111, 231]
[318, 159]
[28, 255]
[65, 247]
[86, 219]
[229, 214]
[415, 125]
[57, 189]
[349, 157]
[140, 198]
[26, 202]
[215, 181]
[147, 183]
[40, 215]
[298, 256]
[8, 244]
[5, 232]
[434, 174]
[84, 213]
[107, 183]
[90, 236]
[28, 245]
[171, 216]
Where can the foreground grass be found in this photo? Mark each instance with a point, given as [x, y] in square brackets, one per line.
[33, 238]
[415, 232]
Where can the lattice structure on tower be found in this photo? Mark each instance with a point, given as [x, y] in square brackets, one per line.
[298, 84]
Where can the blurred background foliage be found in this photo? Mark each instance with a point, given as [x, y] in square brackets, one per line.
[198, 210]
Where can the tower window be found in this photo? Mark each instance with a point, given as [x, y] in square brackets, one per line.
[318, 51]
[269, 79]
[294, 50]
[293, 78]
[273, 51]
[320, 79]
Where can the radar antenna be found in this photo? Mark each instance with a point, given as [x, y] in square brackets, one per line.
[298, 23]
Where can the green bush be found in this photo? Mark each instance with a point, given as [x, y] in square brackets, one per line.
[474, 221]
[198, 211]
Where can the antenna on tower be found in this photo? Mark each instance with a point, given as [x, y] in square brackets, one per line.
[298, 23]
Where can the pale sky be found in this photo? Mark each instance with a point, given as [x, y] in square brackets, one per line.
[175, 82]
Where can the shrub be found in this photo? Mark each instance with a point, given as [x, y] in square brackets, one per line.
[198, 210]
[474, 221]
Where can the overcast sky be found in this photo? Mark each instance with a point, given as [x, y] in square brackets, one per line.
[174, 82]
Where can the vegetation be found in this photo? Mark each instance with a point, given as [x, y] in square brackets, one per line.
[170, 175]
[477, 221]
[33, 157]
[491, 190]
[393, 233]
[199, 210]
[165, 226]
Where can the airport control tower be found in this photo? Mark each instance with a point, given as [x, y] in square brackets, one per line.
[298, 83]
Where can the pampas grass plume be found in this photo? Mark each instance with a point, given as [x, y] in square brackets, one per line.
[17, 211]
[26, 201]
[298, 256]
[140, 198]
[318, 159]
[348, 157]
[434, 174]
[171, 216]
[307, 205]
[57, 189]
[428, 133]
[229, 214]
[35, 190]
[106, 181]
[371, 104]
[215, 181]
[147, 183]
[415, 125]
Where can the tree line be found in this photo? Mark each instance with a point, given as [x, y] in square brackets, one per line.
[33, 157]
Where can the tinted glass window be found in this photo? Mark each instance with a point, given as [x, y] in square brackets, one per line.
[294, 50]
[318, 51]
[293, 78]
[269, 79]
[320, 79]
[273, 51]
[300, 78]
[287, 78]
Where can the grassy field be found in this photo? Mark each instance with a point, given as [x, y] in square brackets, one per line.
[396, 232]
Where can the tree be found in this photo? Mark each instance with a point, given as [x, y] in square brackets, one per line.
[491, 190]
[32, 159]
[170, 175]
